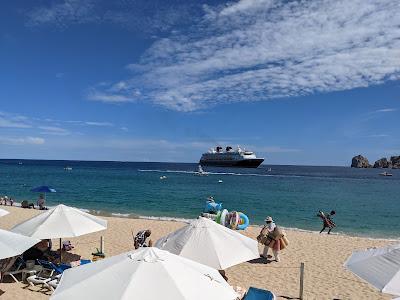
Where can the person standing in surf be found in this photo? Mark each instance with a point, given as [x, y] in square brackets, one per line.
[327, 221]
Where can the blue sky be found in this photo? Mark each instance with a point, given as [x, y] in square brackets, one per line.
[299, 82]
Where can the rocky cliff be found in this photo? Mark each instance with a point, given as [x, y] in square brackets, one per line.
[382, 163]
[395, 161]
[360, 161]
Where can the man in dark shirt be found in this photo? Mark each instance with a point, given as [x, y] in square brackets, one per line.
[327, 221]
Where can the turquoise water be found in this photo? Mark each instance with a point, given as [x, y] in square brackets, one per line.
[366, 204]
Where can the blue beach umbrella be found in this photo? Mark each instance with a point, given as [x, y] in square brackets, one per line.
[43, 189]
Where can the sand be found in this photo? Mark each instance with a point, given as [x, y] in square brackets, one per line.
[323, 255]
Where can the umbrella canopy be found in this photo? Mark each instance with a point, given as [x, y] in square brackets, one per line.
[43, 189]
[379, 266]
[146, 274]
[3, 212]
[211, 244]
[60, 222]
[13, 244]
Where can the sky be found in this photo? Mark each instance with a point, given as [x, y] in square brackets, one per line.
[298, 82]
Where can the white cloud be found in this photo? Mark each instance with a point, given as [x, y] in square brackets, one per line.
[385, 110]
[13, 121]
[54, 130]
[142, 16]
[22, 140]
[119, 92]
[255, 50]
[378, 135]
[102, 124]
[63, 13]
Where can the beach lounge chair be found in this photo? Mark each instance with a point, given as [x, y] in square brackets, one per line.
[16, 268]
[39, 279]
[53, 268]
[259, 294]
[53, 283]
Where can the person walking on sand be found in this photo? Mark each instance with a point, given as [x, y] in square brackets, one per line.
[270, 236]
[327, 221]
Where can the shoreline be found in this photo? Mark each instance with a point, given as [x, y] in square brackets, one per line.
[133, 216]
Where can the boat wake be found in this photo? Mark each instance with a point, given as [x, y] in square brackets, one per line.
[218, 173]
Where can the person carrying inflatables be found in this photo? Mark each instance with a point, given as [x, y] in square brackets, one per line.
[327, 221]
[271, 236]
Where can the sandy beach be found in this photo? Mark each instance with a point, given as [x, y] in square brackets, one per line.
[323, 255]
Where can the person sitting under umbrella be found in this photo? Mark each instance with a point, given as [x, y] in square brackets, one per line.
[140, 239]
[41, 202]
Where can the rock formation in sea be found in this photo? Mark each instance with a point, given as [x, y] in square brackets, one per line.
[383, 163]
[360, 161]
[395, 161]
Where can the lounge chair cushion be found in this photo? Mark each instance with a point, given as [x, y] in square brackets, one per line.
[259, 294]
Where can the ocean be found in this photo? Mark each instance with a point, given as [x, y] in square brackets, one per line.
[366, 204]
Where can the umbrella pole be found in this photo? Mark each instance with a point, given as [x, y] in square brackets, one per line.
[60, 252]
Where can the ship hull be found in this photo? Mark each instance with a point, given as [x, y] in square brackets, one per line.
[244, 163]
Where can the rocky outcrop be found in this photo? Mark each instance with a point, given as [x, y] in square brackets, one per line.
[383, 163]
[360, 161]
[395, 161]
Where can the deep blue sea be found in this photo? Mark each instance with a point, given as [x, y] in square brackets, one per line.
[366, 204]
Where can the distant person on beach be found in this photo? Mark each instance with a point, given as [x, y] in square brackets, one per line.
[26, 204]
[327, 221]
[41, 202]
[140, 239]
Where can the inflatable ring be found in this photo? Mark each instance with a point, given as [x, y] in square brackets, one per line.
[218, 218]
[244, 221]
[234, 220]
[223, 217]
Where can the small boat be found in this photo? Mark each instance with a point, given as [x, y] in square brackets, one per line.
[269, 170]
[220, 181]
[200, 172]
[385, 174]
[163, 177]
[20, 163]
[67, 168]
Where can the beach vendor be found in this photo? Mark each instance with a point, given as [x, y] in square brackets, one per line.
[327, 220]
[271, 236]
[141, 237]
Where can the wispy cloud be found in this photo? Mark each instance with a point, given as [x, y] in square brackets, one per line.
[102, 124]
[141, 16]
[54, 130]
[119, 92]
[378, 135]
[63, 13]
[385, 110]
[13, 121]
[22, 140]
[255, 50]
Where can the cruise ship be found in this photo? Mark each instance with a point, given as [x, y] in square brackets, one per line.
[230, 158]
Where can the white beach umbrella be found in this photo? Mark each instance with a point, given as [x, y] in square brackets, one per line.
[145, 274]
[13, 244]
[3, 212]
[211, 244]
[379, 266]
[60, 222]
